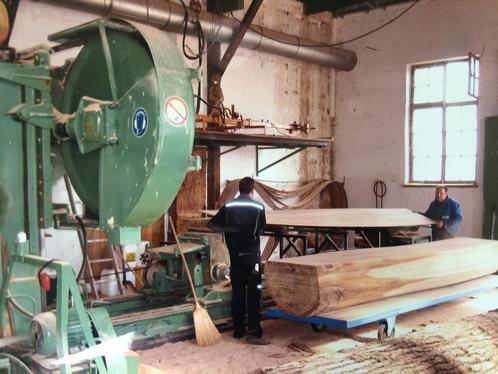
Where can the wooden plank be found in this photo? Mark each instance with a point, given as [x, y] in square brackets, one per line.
[97, 250]
[318, 284]
[192, 195]
[343, 218]
[213, 175]
[216, 139]
[360, 315]
[154, 233]
[170, 249]
[376, 310]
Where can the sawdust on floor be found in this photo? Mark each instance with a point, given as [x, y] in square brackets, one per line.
[292, 341]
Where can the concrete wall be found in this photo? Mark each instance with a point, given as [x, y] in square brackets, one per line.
[371, 100]
[281, 90]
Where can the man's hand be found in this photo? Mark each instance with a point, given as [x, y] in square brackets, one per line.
[440, 224]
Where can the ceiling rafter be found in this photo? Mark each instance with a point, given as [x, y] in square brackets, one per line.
[340, 8]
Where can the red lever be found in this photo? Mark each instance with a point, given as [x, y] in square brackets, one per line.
[45, 281]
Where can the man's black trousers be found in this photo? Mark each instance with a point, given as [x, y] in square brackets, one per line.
[246, 298]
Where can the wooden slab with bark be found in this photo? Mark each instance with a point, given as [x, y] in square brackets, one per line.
[321, 283]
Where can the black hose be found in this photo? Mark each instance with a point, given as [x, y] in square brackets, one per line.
[85, 247]
[17, 362]
[44, 266]
[201, 43]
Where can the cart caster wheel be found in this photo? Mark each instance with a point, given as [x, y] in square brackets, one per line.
[318, 327]
[382, 332]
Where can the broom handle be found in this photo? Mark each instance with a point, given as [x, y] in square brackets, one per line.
[184, 261]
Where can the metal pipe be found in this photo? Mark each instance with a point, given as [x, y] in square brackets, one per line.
[170, 16]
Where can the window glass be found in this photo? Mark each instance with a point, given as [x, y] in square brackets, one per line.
[461, 168]
[428, 84]
[462, 117]
[457, 82]
[443, 123]
[427, 120]
[427, 168]
[461, 143]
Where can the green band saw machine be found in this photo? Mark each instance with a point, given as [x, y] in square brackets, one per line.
[120, 117]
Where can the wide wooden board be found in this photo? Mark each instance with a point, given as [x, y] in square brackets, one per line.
[317, 284]
[343, 218]
[172, 248]
[400, 304]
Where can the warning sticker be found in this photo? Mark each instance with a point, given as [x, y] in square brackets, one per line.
[176, 110]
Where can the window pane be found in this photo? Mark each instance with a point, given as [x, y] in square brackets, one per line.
[426, 169]
[427, 121]
[457, 82]
[461, 118]
[460, 168]
[421, 77]
[461, 143]
[428, 84]
[427, 144]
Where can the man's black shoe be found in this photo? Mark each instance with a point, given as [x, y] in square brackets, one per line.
[257, 341]
[238, 335]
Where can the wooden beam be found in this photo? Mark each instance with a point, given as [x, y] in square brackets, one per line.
[318, 284]
[237, 39]
[213, 175]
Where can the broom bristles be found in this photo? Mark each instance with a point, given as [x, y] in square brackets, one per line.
[206, 332]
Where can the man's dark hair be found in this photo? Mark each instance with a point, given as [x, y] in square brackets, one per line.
[246, 185]
[442, 186]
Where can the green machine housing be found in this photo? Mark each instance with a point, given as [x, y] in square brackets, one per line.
[120, 119]
[490, 183]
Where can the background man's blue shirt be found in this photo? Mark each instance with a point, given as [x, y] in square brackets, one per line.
[450, 212]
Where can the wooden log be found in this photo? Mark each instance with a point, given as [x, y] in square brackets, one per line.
[317, 284]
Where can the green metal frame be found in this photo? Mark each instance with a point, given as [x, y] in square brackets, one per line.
[28, 126]
[22, 264]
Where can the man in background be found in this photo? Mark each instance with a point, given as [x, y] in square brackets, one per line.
[242, 220]
[447, 213]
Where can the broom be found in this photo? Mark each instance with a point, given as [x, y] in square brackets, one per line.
[206, 332]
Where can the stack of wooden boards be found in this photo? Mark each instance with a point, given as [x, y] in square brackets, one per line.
[317, 284]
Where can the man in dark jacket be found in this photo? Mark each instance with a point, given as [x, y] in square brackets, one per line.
[242, 220]
[447, 213]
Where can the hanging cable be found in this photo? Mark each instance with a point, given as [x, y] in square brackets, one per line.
[220, 108]
[333, 44]
[18, 362]
[201, 42]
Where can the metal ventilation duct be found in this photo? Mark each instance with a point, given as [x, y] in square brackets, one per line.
[170, 16]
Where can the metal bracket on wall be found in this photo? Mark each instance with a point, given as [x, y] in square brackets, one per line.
[230, 150]
[258, 148]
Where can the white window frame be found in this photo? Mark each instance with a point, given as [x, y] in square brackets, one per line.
[411, 106]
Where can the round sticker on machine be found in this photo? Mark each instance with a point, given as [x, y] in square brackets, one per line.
[140, 122]
[176, 110]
